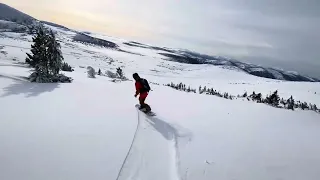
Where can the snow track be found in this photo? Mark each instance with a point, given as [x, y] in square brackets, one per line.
[154, 153]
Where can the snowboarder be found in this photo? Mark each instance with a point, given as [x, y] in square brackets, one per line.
[142, 88]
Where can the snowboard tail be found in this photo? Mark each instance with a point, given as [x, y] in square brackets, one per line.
[150, 113]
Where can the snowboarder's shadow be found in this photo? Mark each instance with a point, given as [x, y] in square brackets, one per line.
[167, 130]
[28, 88]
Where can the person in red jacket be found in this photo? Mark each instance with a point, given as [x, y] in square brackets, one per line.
[142, 88]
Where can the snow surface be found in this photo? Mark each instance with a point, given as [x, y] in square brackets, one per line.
[90, 129]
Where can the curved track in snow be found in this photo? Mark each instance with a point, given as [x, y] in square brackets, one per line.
[154, 152]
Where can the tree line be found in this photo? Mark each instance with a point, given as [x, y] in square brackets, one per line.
[273, 99]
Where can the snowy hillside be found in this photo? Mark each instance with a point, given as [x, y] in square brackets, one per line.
[11, 14]
[91, 129]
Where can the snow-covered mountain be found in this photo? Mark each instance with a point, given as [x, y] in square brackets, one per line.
[90, 128]
[185, 56]
[12, 14]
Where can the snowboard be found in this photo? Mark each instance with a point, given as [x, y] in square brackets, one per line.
[150, 113]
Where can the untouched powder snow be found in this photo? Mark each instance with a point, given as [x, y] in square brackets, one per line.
[84, 130]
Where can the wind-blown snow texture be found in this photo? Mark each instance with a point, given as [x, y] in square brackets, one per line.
[90, 129]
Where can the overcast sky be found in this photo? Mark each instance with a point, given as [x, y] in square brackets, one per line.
[281, 33]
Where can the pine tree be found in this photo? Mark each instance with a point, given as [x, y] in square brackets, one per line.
[46, 58]
[304, 106]
[253, 94]
[311, 106]
[245, 94]
[38, 49]
[273, 99]
[54, 54]
[258, 98]
[99, 72]
[200, 89]
[290, 103]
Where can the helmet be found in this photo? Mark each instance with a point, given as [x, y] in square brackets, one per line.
[136, 76]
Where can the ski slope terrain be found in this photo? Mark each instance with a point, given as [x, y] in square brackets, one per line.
[91, 129]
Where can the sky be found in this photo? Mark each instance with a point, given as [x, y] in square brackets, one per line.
[276, 33]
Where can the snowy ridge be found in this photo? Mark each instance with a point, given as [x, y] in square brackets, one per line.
[9, 13]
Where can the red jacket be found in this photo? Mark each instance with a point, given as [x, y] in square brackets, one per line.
[138, 90]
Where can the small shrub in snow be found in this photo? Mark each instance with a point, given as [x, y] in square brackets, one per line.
[111, 74]
[274, 99]
[304, 106]
[62, 78]
[256, 97]
[245, 94]
[45, 78]
[91, 72]
[66, 67]
[181, 87]
[120, 74]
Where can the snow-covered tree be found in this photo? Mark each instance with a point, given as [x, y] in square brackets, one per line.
[91, 72]
[38, 48]
[99, 72]
[274, 99]
[304, 106]
[290, 103]
[46, 58]
[54, 54]
[111, 74]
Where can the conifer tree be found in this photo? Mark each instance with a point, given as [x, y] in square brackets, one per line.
[290, 102]
[274, 99]
[54, 54]
[38, 48]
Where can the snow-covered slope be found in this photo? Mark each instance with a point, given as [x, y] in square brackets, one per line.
[90, 129]
[11, 26]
